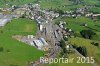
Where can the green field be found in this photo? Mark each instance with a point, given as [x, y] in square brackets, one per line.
[92, 50]
[15, 52]
[75, 25]
[54, 4]
[85, 42]
[66, 4]
[45, 4]
[92, 2]
[7, 3]
[95, 10]
[70, 56]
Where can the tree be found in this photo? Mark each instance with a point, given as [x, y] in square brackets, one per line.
[1, 49]
[74, 46]
[65, 38]
[63, 46]
[87, 34]
[82, 50]
[62, 43]
[1, 31]
[95, 44]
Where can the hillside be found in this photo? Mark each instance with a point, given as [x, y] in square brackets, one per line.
[78, 24]
[55, 4]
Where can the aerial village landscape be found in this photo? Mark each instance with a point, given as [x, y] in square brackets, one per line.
[31, 29]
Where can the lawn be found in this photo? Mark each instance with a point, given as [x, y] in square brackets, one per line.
[15, 52]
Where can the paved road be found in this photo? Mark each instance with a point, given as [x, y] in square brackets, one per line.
[49, 34]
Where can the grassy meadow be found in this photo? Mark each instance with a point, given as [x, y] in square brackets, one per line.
[15, 52]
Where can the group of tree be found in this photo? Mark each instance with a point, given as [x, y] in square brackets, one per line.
[88, 34]
[63, 53]
[81, 49]
[95, 44]
[63, 46]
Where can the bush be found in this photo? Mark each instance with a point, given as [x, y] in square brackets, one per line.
[65, 38]
[82, 50]
[1, 49]
[95, 44]
[8, 50]
[74, 46]
[63, 46]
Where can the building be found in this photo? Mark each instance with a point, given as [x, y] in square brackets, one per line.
[41, 27]
[38, 44]
[43, 41]
[41, 44]
[4, 21]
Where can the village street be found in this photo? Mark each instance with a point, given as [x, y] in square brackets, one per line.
[49, 34]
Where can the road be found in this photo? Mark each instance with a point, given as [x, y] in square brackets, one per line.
[49, 35]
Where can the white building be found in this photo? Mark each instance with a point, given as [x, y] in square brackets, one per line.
[41, 27]
[41, 44]
[38, 44]
[43, 41]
